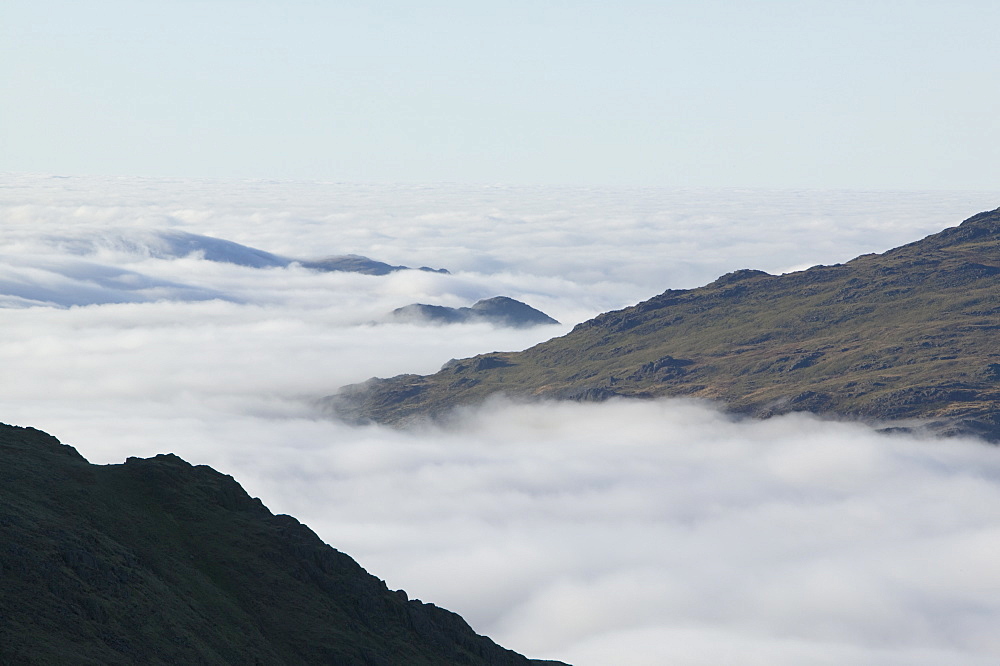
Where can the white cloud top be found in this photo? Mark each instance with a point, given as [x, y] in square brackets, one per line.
[630, 533]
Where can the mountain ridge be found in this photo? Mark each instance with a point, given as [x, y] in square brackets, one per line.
[173, 244]
[904, 339]
[158, 561]
[64, 271]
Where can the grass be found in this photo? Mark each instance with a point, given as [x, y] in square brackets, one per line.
[905, 335]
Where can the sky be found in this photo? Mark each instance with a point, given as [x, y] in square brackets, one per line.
[888, 94]
[626, 532]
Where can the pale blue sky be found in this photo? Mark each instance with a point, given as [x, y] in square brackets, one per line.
[776, 94]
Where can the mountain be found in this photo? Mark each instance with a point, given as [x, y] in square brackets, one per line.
[172, 244]
[905, 339]
[169, 244]
[355, 263]
[65, 282]
[156, 561]
[499, 310]
[64, 271]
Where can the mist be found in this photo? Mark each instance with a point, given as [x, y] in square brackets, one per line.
[627, 532]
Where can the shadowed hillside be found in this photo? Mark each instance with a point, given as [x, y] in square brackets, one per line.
[909, 337]
[156, 561]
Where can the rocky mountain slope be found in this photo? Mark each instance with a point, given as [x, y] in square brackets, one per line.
[907, 338]
[156, 561]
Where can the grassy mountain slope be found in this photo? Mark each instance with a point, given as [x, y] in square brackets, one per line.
[910, 335]
[156, 561]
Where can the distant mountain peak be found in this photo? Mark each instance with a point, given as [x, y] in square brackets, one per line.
[355, 263]
[499, 310]
[39, 278]
[175, 244]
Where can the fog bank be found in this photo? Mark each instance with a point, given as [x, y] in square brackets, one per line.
[631, 533]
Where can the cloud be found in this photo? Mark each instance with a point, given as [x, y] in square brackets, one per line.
[66, 282]
[561, 529]
[662, 532]
[125, 244]
[632, 533]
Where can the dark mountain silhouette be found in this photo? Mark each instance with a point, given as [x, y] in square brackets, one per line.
[157, 561]
[499, 310]
[908, 338]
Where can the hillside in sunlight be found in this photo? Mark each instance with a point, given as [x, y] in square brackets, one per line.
[904, 339]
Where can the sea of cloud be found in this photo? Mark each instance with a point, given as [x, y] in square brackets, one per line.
[627, 533]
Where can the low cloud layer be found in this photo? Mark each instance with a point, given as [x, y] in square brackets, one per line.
[631, 533]
[667, 533]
